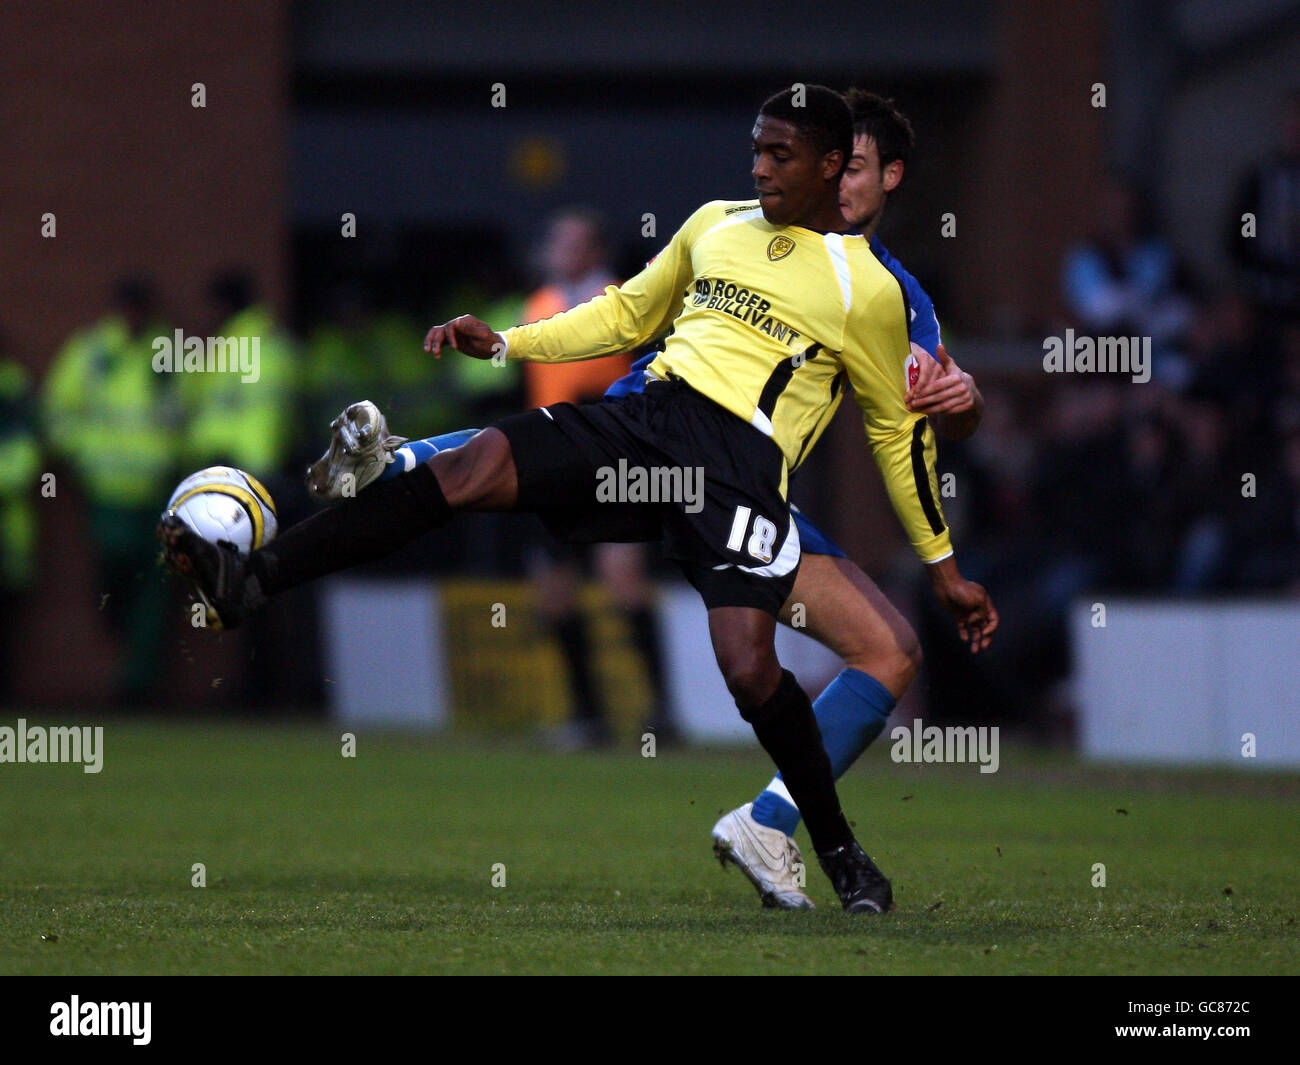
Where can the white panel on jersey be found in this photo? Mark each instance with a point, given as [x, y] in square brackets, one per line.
[840, 260]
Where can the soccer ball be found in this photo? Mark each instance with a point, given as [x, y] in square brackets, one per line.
[223, 503]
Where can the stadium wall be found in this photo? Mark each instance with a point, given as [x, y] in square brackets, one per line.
[100, 130]
[1188, 683]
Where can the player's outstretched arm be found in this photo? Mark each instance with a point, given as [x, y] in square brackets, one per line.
[969, 603]
[623, 318]
[466, 334]
[947, 394]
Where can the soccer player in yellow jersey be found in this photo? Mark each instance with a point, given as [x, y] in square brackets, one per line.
[834, 601]
[774, 308]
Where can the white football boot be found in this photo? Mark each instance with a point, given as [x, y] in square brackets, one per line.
[360, 448]
[767, 856]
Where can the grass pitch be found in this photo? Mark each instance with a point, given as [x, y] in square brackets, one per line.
[384, 863]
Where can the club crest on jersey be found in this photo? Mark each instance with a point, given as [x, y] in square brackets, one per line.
[912, 368]
[780, 247]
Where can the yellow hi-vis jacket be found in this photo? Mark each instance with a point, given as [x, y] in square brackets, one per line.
[110, 416]
[244, 415]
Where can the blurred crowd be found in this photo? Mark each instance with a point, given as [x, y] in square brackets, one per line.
[1076, 484]
[1089, 485]
[120, 426]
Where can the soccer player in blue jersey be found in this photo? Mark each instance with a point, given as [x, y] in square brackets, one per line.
[843, 608]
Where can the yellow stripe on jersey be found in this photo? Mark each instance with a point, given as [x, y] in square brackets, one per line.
[770, 322]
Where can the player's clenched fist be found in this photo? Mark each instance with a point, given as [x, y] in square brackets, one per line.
[942, 386]
[466, 334]
[946, 393]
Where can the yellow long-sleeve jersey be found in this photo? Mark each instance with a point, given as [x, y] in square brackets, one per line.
[770, 322]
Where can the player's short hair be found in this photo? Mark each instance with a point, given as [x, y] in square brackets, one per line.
[880, 119]
[823, 120]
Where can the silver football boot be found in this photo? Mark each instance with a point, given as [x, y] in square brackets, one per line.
[360, 448]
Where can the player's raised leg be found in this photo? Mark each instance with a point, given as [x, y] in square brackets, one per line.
[479, 476]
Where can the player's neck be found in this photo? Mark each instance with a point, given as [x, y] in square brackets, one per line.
[873, 224]
[828, 218]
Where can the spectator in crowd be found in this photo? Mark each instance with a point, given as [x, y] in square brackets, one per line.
[574, 260]
[1204, 490]
[1123, 281]
[252, 421]
[1264, 229]
[112, 421]
[20, 458]
[237, 419]
[340, 366]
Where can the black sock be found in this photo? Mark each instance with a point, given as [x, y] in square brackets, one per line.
[386, 516]
[571, 629]
[645, 638]
[787, 729]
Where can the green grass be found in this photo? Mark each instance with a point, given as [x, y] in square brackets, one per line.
[383, 863]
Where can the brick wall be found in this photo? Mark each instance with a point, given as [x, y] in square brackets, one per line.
[97, 127]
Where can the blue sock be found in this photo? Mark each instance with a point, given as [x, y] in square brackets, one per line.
[414, 452]
[851, 713]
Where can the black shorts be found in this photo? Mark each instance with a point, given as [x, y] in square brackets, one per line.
[664, 464]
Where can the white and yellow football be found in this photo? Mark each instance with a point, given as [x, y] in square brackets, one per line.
[221, 503]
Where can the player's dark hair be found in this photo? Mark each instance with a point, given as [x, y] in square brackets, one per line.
[876, 117]
[822, 118]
